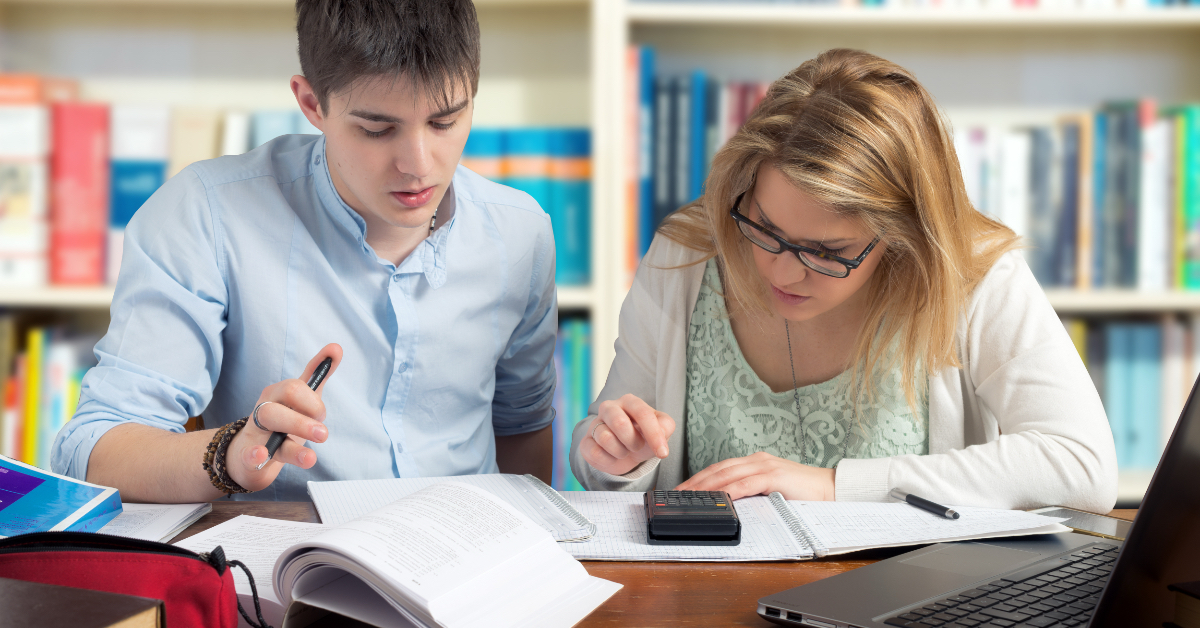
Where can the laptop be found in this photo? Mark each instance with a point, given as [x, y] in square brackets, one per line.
[1049, 581]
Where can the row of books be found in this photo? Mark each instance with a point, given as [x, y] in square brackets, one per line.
[72, 173]
[572, 396]
[1055, 5]
[40, 373]
[553, 165]
[675, 124]
[1109, 198]
[1144, 370]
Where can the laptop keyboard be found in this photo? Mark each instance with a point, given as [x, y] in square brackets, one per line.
[1061, 593]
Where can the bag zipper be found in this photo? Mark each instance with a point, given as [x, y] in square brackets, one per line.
[94, 542]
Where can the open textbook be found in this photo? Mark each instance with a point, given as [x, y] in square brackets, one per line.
[448, 555]
[343, 500]
[776, 529]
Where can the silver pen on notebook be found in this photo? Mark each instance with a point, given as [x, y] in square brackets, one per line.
[923, 504]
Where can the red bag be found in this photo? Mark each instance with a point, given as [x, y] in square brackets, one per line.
[196, 589]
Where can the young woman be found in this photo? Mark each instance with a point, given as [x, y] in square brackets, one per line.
[833, 319]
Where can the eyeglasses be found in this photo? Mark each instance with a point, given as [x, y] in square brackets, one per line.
[821, 261]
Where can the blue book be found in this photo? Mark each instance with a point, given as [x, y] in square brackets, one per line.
[1145, 424]
[268, 125]
[484, 153]
[580, 386]
[571, 199]
[681, 162]
[646, 139]
[133, 182]
[562, 436]
[698, 142]
[1099, 185]
[33, 500]
[1066, 248]
[1117, 391]
[527, 153]
[664, 151]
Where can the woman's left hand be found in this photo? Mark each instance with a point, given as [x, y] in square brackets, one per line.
[762, 474]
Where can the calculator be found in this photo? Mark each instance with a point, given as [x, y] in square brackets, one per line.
[691, 518]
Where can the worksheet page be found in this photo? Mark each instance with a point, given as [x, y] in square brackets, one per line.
[847, 526]
[154, 522]
[620, 520]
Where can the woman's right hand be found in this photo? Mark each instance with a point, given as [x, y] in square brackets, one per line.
[625, 433]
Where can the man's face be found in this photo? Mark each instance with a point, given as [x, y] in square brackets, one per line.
[392, 150]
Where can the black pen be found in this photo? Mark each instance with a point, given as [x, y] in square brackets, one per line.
[276, 438]
[923, 504]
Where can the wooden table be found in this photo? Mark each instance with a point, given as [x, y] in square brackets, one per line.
[655, 594]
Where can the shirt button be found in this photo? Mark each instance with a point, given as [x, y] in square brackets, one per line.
[318, 160]
[395, 277]
[403, 367]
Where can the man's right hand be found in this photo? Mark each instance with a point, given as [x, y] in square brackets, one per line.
[625, 433]
[297, 411]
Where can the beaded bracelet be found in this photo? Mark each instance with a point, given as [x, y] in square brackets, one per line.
[214, 458]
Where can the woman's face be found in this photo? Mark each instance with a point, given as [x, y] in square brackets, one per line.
[797, 292]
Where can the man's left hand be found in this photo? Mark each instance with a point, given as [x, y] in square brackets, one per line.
[763, 474]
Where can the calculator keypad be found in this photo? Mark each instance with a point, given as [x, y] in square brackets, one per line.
[693, 499]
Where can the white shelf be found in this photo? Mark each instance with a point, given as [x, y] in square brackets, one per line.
[99, 297]
[1122, 301]
[573, 298]
[781, 14]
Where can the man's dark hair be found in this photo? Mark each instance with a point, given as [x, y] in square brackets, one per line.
[433, 43]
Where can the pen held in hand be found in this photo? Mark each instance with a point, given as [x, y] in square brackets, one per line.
[923, 504]
[277, 438]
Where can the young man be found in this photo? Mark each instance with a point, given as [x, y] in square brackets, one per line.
[431, 289]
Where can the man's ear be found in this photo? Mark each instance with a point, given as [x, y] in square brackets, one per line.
[307, 99]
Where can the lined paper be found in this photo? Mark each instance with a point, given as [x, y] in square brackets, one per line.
[620, 520]
[849, 526]
[340, 501]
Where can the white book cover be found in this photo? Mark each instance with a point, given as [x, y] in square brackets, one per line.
[1174, 374]
[235, 135]
[1154, 252]
[141, 132]
[1013, 181]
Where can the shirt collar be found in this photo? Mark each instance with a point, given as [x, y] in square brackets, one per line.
[428, 258]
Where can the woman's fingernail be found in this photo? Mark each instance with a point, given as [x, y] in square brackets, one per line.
[319, 433]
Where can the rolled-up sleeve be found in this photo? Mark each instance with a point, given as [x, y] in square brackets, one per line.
[525, 374]
[160, 359]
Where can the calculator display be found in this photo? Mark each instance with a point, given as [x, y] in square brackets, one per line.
[691, 518]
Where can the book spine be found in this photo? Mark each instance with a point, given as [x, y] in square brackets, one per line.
[800, 531]
[16, 446]
[646, 144]
[562, 436]
[1066, 257]
[1145, 401]
[580, 388]
[268, 125]
[484, 153]
[79, 175]
[663, 152]
[681, 173]
[1099, 199]
[1041, 206]
[1083, 211]
[1152, 216]
[1174, 374]
[563, 506]
[1118, 341]
[34, 352]
[235, 133]
[570, 193]
[633, 151]
[1190, 193]
[24, 170]
[698, 135]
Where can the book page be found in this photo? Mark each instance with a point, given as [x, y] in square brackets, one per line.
[620, 519]
[847, 526]
[340, 501]
[432, 540]
[255, 541]
[154, 522]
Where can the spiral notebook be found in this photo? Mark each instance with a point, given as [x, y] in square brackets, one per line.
[340, 501]
[777, 529]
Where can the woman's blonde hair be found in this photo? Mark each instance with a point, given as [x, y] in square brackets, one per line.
[861, 135]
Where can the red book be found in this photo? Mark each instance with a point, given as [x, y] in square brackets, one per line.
[79, 193]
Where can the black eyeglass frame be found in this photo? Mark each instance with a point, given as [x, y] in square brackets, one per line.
[796, 249]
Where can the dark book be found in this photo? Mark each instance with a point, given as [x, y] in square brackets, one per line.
[681, 162]
[1066, 247]
[663, 128]
[1043, 210]
[1097, 355]
[48, 605]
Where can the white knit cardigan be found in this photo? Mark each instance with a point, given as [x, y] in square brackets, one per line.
[1020, 425]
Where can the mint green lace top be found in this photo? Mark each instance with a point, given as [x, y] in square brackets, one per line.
[732, 413]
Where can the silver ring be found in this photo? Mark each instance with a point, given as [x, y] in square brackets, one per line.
[596, 427]
[255, 415]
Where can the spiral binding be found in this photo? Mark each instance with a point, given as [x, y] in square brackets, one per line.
[564, 507]
[797, 526]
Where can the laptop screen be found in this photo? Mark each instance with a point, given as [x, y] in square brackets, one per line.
[1163, 547]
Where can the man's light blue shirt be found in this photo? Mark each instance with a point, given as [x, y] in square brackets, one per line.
[239, 269]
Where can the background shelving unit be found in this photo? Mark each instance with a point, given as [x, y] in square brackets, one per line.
[1018, 65]
[562, 62]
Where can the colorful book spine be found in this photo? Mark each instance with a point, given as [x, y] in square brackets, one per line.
[24, 194]
[571, 199]
[484, 153]
[140, 150]
[35, 345]
[698, 135]
[1189, 192]
[1145, 396]
[572, 395]
[647, 128]
[561, 436]
[79, 199]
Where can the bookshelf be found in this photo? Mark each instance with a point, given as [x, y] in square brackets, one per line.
[1015, 66]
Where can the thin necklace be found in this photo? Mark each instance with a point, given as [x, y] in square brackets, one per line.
[796, 393]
